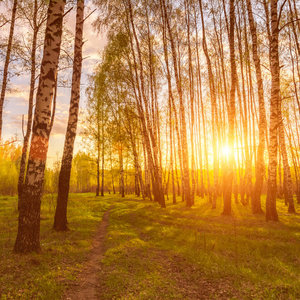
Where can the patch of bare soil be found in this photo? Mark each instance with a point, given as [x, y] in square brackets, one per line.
[88, 280]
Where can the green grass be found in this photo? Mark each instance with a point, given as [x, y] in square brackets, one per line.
[195, 253]
[45, 275]
[154, 253]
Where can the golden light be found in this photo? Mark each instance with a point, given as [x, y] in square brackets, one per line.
[226, 151]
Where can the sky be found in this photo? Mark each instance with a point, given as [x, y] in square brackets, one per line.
[16, 102]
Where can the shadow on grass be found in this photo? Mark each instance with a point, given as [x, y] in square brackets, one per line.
[260, 259]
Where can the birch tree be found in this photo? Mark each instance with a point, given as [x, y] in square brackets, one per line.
[260, 165]
[60, 219]
[28, 237]
[271, 211]
[231, 114]
[36, 20]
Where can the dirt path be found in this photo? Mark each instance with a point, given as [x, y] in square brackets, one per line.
[88, 279]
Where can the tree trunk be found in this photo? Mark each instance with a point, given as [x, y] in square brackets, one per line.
[60, 219]
[286, 167]
[262, 126]
[28, 237]
[231, 116]
[122, 187]
[30, 102]
[112, 172]
[271, 211]
[247, 179]
[213, 110]
[102, 154]
[191, 100]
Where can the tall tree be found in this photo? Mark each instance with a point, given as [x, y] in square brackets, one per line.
[231, 114]
[60, 219]
[271, 211]
[28, 237]
[35, 23]
[213, 109]
[262, 126]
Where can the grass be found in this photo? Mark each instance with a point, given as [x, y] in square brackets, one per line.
[154, 253]
[195, 253]
[45, 275]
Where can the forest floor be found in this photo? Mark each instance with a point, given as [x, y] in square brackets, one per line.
[87, 280]
[132, 249]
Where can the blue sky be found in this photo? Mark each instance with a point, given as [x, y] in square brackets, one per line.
[16, 102]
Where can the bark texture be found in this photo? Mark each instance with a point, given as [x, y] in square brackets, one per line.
[262, 126]
[231, 115]
[271, 211]
[30, 201]
[286, 167]
[213, 110]
[30, 102]
[60, 219]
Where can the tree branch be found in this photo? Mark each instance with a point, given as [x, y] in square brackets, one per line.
[89, 15]
[10, 142]
[7, 21]
[280, 11]
[67, 12]
[288, 23]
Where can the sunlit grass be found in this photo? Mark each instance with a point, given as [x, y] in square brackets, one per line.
[45, 275]
[248, 257]
[154, 253]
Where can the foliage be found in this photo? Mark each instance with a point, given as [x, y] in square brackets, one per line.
[82, 175]
[10, 154]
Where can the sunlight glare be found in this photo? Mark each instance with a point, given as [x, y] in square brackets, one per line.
[226, 151]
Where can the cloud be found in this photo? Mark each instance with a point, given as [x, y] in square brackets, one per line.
[62, 108]
[14, 122]
[17, 101]
[12, 125]
[59, 125]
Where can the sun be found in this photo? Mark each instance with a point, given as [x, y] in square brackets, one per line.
[226, 150]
